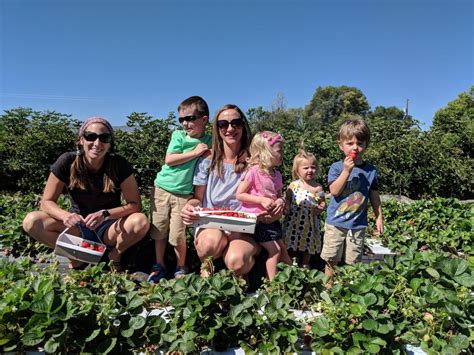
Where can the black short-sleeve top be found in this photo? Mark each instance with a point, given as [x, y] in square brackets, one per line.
[93, 199]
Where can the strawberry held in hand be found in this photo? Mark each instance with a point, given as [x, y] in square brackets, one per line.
[353, 155]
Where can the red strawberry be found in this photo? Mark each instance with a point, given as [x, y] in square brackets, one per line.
[85, 245]
[100, 248]
[353, 155]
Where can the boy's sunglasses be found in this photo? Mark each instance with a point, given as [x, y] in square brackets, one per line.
[191, 118]
[103, 137]
[235, 123]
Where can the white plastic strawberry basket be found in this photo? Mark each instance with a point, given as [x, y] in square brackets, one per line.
[71, 247]
[244, 224]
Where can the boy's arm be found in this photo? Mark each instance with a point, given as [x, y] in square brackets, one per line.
[337, 186]
[173, 159]
[377, 207]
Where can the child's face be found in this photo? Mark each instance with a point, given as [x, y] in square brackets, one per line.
[194, 128]
[307, 169]
[353, 145]
[278, 152]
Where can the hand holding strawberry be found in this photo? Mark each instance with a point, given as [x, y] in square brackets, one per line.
[353, 155]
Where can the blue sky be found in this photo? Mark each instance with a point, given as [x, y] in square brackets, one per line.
[114, 57]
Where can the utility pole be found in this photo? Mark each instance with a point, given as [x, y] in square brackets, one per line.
[405, 111]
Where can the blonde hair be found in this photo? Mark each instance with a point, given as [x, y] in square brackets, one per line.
[261, 152]
[355, 127]
[299, 158]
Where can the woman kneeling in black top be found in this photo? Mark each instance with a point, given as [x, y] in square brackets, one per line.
[95, 179]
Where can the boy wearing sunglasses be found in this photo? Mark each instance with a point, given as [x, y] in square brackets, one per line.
[173, 185]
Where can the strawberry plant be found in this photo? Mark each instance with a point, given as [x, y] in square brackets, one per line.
[215, 312]
[303, 286]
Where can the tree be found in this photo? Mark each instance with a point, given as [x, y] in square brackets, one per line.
[330, 102]
[145, 146]
[457, 119]
[30, 142]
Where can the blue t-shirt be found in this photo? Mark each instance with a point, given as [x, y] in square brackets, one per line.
[349, 209]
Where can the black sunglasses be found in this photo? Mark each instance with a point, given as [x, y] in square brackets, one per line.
[188, 118]
[103, 137]
[235, 123]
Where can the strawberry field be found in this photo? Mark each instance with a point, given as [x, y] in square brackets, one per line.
[423, 296]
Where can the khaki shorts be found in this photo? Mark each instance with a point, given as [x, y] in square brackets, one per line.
[165, 216]
[341, 242]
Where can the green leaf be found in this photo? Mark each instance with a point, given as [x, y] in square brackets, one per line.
[453, 267]
[321, 326]
[93, 335]
[432, 272]
[357, 309]
[459, 341]
[137, 322]
[464, 280]
[415, 283]
[127, 333]
[357, 337]
[107, 345]
[372, 348]
[135, 302]
[370, 299]
[369, 324]
[43, 304]
[51, 345]
[384, 328]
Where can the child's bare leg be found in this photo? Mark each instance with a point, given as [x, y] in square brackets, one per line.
[160, 248]
[305, 258]
[274, 254]
[329, 272]
[180, 251]
[284, 257]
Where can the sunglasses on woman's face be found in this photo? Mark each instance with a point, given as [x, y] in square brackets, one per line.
[188, 118]
[103, 137]
[235, 123]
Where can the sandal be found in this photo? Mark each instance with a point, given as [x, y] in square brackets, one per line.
[158, 272]
[180, 272]
[207, 267]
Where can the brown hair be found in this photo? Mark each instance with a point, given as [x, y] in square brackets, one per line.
[355, 127]
[218, 144]
[79, 177]
[303, 155]
[199, 103]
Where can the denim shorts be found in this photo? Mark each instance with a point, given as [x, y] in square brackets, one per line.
[95, 235]
[267, 232]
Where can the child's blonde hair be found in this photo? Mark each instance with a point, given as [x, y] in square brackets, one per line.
[261, 152]
[355, 127]
[298, 159]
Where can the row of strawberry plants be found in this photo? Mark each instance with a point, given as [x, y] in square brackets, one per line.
[419, 298]
[437, 224]
[97, 311]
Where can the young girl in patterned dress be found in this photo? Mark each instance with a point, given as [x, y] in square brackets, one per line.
[305, 201]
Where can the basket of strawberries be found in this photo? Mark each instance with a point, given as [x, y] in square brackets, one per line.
[78, 248]
[226, 219]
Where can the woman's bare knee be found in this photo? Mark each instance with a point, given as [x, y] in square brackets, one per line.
[210, 245]
[239, 262]
[136, 224]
